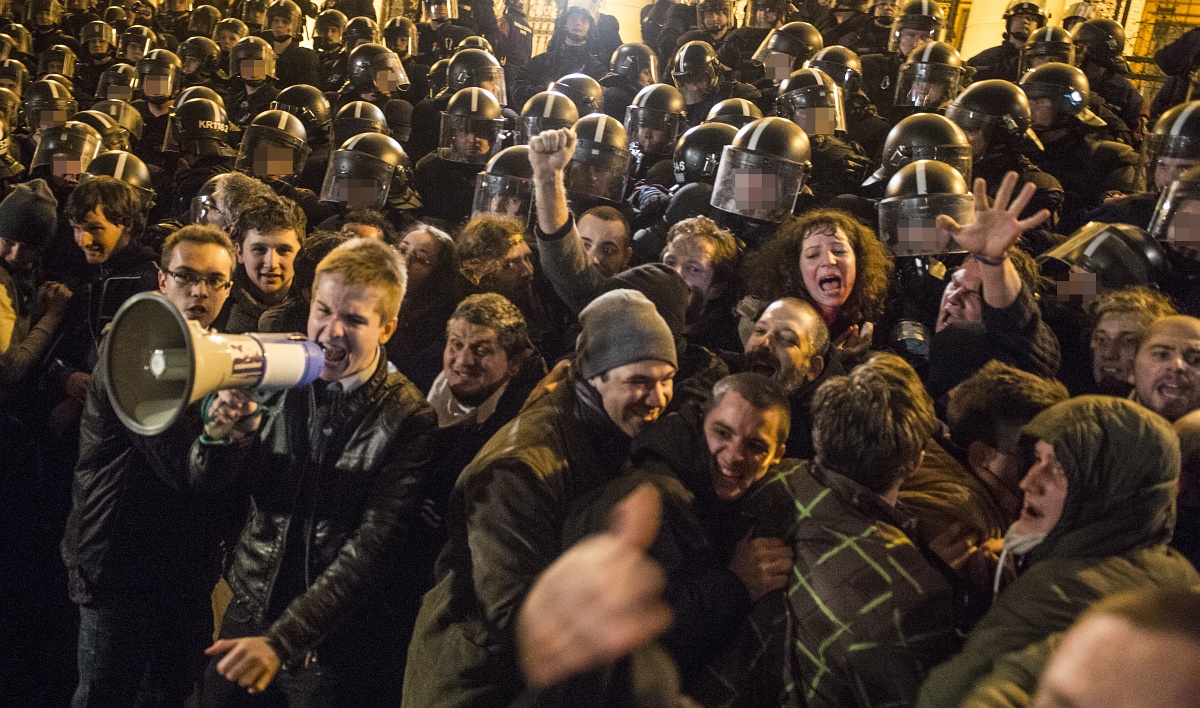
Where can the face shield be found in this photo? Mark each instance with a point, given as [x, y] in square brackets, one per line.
[492, 81]
[503, 195]
[529, 126]
[1110, 256]
[757, 186]
[267, 152]
[598, 170]
[389, 76]
[1043, 53]
[47, 115]
[1177, 216]
[908, 225]
[68, 154]
[1166, 157]
[652, 131]
[469, 139]
[694, 87]
[927, 85]
[357, 180]
[817, 109]
[907, 36]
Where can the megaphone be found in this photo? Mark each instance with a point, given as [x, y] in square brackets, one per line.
[160, 363]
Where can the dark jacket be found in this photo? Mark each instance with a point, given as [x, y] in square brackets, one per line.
[340, 478]
[548, 67]
[505, 524]
[297, 65]
[996, 63]
[1122, 469]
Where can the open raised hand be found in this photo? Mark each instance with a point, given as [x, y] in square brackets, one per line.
[997, 227]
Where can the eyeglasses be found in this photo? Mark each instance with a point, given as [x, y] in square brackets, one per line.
[188, 278]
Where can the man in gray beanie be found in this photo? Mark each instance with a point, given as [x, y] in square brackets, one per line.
[509, 514]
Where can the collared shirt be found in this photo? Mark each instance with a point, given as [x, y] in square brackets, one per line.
[353, 381]
[450, 411]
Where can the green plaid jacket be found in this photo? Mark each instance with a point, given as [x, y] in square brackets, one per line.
[865, 614]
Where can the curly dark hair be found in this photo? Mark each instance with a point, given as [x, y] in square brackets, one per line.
[773, 271]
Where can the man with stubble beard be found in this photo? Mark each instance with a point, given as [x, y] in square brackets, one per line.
[1166, 372]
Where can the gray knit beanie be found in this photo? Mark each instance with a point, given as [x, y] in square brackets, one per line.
[28, 214]
[621, 327]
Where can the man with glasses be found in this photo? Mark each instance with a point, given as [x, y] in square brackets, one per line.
[142, 553]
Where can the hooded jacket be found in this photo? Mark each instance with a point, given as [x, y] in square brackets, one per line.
[1122, 468]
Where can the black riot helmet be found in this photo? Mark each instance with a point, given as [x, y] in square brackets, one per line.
[22, 40]
[1067, 89]
[1046, 45]
[600, 165]
[233, 26]
[259, 57]
[763, 170]
[633, 58]
[9, 167]
[437, 77]
[1118, 255]
[10, 108]
[128, 117]
[472, 125]
[448, 11]
[697, 70]
[1100, 40]
[584, 91]
[655, 119]
[15, 72]
[355, 118]
[202, 21]
[924, 16]
[116, 16]
[47, 103]
[199, 92]
[1180, 196]
[716, 9]
[841, 64]
[329, 19]
[505, 187]
[360, 30]
[913, 199]
[159, 75]
[273, 145]
[1034, 9]
[698, 152]
[733, 111]
[365, 170]
[254, 13]
[1173, 146]
[810, 99]
[787, 48]
[66, 149]
[400, 36]
[7, 44]
[996, 108]
[57, 59]
[116, 83]
[289, 13]
[925, 136]
[475, 67]
[309, 105]
[136, 42]
[474, 42]
[124, 166]
[548, 110]
[364, 65]
[198, 126]
[112, 136]
[931, 77]
[766, 14]
[204, 52]
[61, 81]
[1079, 12]
[37, 7]
[98, 31]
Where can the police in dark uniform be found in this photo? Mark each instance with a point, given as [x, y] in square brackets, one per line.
[633, 67]
[252, 76]
[1099, 45]
[371, 170]
[864, 125]
[400, 36]
[76, 17]
[699, 75]
[201, 59]
[873, 37]
[439, 35]
[774, 146]
[470, 134]
[714, 24]
[274, 149]
[99, 42]
[810, 98]
[159, 79]
[1021, 19]
[654, 120]
[513, 45]
[312, 108]
[198, 139]
[201, 22]
[919, 22]
[851, 17]
[375, 75]
[469, 67]
[783, 51]
[293, 64]
[328, 34]
[606, 31]
[573, 55]
[1180, 197]
[42, 18]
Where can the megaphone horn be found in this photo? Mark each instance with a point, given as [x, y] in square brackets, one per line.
[160, 363]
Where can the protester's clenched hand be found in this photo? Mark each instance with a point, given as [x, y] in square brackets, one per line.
[550, 151]
[250, 662]
[997, 227]
[233, 414]
[762, 564]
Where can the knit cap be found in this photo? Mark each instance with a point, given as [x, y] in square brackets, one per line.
[621, 327]
[28, 214]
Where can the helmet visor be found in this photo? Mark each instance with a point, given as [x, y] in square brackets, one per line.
[267, 152]
[469, 139]
[757, 186]
[817, 109]
[1043, 53]
[357, 180]
[492, 80]
[653, 131]
[502, 195]
[927, 85]
[598, 170]
[530, 126]
[908, 225]
[346, 128]
[47, 115]
[1177, 216]
[67, 153]
[845, 77]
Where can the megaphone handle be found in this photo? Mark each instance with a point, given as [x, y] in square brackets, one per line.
[217, 431]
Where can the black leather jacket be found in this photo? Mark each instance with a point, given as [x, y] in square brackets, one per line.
[350, 471]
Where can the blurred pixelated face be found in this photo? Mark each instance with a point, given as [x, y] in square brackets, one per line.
[272, 161]
[1045, 488]
[1042, 111]
[816, 121]
[755, 190]
[226, 38]
[962, 300]
[1114, 346]
[636, 394]
[828, 267]
[605, 243]
[98, 237]
[196, 280]
[781, 346]
[419, 249]
[1078, 286]
[777, 66]
[269, 259]
[473, 362]
[913, 39]
[253, 69]
[50, 117]
[157, 86]
[354, 191]
[120, 93]
[692, 259]
[919, 236]
[743, 444]
[387, 80]
[66, 167]
[344, 320]
[1184, 231]
[1166, 371]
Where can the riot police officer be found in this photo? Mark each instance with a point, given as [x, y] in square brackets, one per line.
[918, 23]
[781, 52]
[274, 149]
[57, 59]
[471, 128]
[864, 125]
[698, 152]
[505, 186]
[851, 17]
[572, 55]
[112, 135]
[924, 136]
[198, 135]
[328, 31]
[437, 36]
[548, 110]
[761, 175]
[355, 118]
[135, 43]
[370, 170]
[633, 67]
[46, 104]
[116, 83]
[699, 75]
[201, 59]
[1099, 45]
[1021, 19]
[377, 76]
[201, 22]
[653, 122]
[252, 80]
[467, 68]
[227, 33]
[733, 111]
[874, 36]
[99, 42]
[400, 36]
[42, 18]
[293, 64]
[14, 76]
[584, 91]
[916, 195]
[810, 99]
[715, 25]
[1044, 46]
[929, 80]
[159, 78]
[312, 108]
[361, 30]
[1174, 226]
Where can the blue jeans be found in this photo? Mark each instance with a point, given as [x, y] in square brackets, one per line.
[145, 656]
